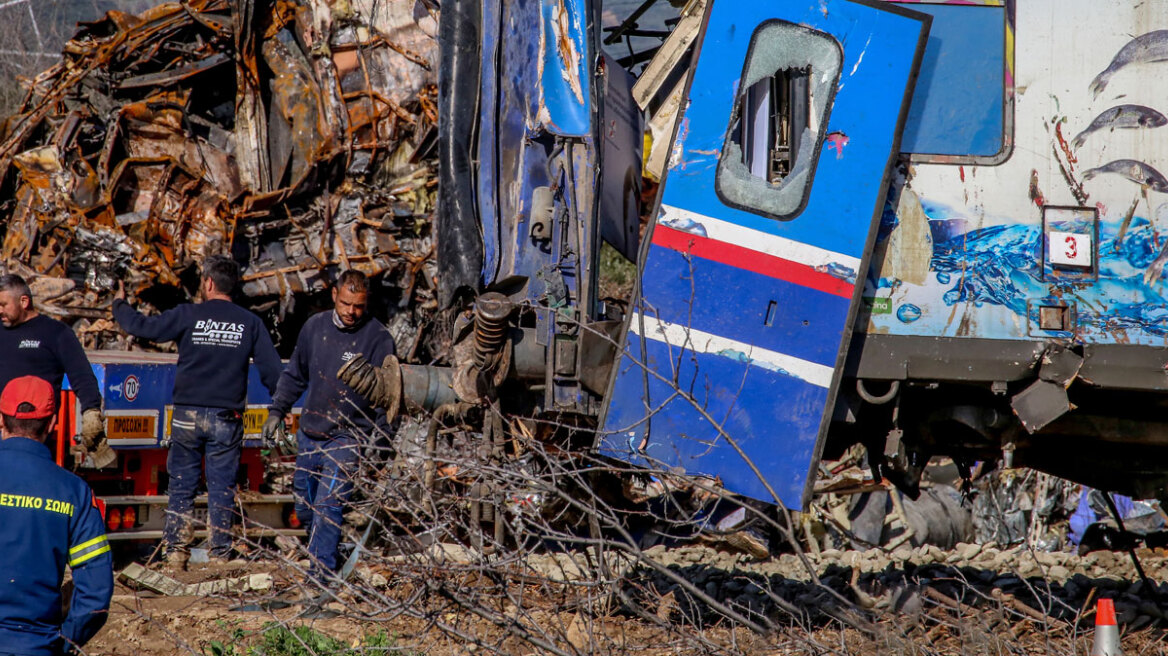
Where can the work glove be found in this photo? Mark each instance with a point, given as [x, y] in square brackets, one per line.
[359, 374]
[92, 441]
[380, 385]
[92, 426]
[275, 436]
[272, 429]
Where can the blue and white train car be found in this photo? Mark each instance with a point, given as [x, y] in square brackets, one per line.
[1016, 292]
[930, 227]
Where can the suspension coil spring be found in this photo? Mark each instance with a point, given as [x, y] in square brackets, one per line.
[491, 313]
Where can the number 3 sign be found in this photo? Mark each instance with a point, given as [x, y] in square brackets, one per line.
[1068, 248]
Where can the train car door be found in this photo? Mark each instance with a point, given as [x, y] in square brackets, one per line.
[748, 280]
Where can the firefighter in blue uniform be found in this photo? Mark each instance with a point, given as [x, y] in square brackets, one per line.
[48, 519]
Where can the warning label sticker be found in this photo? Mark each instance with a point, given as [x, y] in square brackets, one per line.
[132, 427]
[253, 420]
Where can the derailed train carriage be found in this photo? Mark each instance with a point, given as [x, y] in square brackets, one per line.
[1029, 323]
[929, 227]
[1021, 304]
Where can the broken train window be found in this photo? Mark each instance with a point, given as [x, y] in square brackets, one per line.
[779, 119]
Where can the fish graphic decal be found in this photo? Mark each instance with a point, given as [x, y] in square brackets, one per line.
[1138, 172]
[1144, 49]
[1122, 117]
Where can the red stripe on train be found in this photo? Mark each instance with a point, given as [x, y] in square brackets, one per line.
[751, 260]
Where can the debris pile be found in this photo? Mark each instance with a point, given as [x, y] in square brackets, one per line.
[295, 135]
[1028, 585]
[850, 510]
[997, 505]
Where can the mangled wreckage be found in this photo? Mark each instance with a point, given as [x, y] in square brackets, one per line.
[297, 136]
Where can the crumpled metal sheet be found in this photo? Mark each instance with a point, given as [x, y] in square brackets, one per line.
[296, 135]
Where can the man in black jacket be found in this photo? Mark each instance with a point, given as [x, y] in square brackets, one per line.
[216, 339]
[335, 419]
[32, 344]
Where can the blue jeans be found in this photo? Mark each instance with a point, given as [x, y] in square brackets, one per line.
[197, 432]
[323, 483]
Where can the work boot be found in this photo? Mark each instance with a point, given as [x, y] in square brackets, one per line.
[176, 561]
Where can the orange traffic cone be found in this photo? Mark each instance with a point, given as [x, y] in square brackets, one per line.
[1106, 631]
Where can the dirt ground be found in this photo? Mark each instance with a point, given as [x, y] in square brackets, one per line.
[145, 623]
[389, 612]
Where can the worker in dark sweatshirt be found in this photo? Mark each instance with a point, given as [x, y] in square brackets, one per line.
[335, 420]
[216, 340]
[32, 344]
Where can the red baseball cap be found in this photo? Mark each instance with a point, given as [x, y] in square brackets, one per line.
[34, 391]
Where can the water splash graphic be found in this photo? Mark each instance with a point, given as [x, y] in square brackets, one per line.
[992, 265]
[1001, 265]
[908, 313]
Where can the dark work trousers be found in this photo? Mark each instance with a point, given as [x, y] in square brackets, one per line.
[323, 483]
[216, 434]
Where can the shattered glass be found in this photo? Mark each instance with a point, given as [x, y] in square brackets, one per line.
[777, 46]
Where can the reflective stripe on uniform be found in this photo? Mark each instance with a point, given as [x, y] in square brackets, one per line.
[88, 550]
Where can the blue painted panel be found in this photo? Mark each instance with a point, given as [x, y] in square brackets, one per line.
[518, 165]
[879, 48]
[257, 394]
[958, 102]
[988, 267]
[155, 384]
[739, 310]
[778, 438]
[536, 91]
[488, 171]
[566, 84]
[522, 155]
[778, 415]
